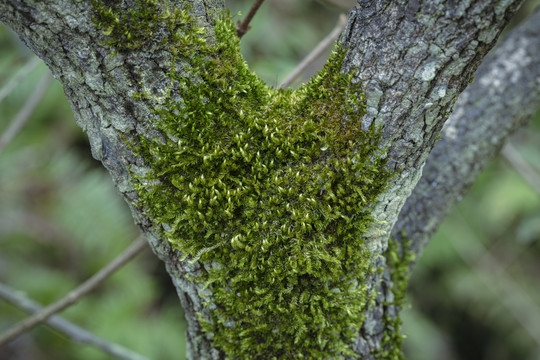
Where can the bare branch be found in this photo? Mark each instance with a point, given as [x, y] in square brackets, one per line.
[243, 26]
[512, 155]
[411, 84]
[74, 332]
[16, 80]
[316, 52]
[26, 111]
[485, 116]
[76, 294]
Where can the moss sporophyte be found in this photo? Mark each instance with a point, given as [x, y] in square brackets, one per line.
[271, 188]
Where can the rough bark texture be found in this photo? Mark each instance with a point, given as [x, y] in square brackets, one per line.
[100, 89]
[504, 95]
[414, 57]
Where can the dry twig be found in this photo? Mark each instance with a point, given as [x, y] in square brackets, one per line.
[76, 294]
[243, 27]
[511, 294]
[316, 52]
[16, 80]
[512, 155]
[26, 111]
[74, 332]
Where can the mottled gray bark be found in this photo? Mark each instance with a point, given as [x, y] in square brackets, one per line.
[503, 97]
[414, 57]
[100, 89]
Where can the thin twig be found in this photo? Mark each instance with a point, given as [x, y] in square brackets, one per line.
[316, 52]
[26, 111]
[15, 80]
[243, 26]
[73, 296]
[74, 332]
[512, 155]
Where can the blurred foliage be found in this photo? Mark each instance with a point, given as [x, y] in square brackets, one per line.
[61, 220]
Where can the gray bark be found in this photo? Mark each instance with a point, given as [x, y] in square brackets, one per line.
[503, 97]
[414, 57]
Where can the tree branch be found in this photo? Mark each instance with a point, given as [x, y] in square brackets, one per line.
[74, 296]
[100, 89]
[74, 332]
[26, 111]
[415, 58]
[243, 26]
[503, 97]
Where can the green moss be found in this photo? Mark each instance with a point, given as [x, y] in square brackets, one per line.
[397, 262]
[131, 29]
[270, 189]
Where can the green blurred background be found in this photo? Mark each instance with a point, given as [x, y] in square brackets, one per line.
[475, 294]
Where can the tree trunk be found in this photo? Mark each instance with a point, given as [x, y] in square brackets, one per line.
[412, 57]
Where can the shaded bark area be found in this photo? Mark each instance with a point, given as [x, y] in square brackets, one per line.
[414, 58]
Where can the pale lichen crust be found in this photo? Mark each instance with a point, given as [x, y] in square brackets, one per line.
[270, 189]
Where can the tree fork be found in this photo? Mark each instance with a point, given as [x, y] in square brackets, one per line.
[414, 58]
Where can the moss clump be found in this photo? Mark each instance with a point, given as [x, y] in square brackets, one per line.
[131, 29]
[270, 189]
[145, 24]
[398, 263]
